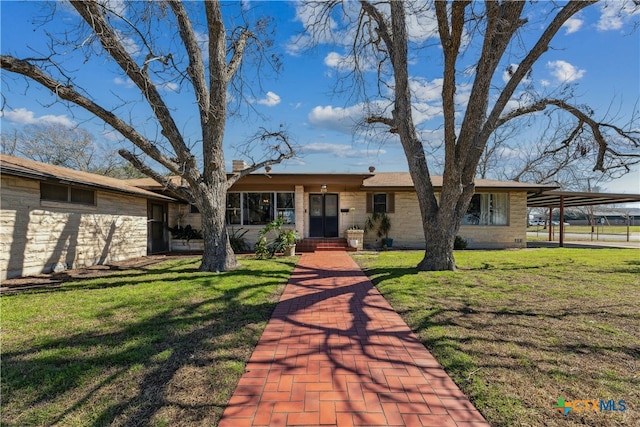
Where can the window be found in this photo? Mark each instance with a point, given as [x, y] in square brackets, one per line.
[193, 209]
[488, 209]
[380, 202]
[67, 194]
[233, 208]
[260, 208]
[285, 207]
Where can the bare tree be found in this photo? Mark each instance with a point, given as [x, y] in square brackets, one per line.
[62, 145]
[380, 41]
[205, 64]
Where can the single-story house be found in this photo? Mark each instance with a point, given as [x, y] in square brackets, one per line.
[54, 218]
[325, 205]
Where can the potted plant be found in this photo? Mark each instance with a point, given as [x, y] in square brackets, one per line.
[284, 241]
[289, 239]
[381, 224]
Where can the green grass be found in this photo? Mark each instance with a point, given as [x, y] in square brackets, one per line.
[516, 330]
[164, 345]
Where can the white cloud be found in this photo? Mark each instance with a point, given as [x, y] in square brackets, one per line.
[128, 83]
[117, 6]
[170, 86]
[616, 13]
[129, 44]
[270, 100]
[297, 44]
[572, 25]
[564, 72]
[424, 90]
[423, 112]
[338, 150]
[337, 118]
[25, 117]
[422, 24]
[347, 62]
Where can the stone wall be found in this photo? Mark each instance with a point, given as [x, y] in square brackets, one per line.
[40, 236]
[406, 224]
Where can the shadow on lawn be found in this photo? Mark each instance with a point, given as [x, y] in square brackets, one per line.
[524, 344]
[113, 276]
[133, 368]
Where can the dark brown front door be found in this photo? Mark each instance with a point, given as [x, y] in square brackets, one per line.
[157, 227]
[323, 215]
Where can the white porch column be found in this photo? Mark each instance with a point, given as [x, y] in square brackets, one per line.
[300, 216]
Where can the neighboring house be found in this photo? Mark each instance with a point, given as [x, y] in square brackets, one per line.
[54, 218]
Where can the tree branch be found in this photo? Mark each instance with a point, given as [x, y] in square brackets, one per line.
[282, 147]
[179, 191]
[68, 93]
[238, 48]
[583, 119]
[196, 68]
[92, 14]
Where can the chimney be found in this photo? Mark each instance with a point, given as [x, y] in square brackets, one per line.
[239, 165]
[372, 169]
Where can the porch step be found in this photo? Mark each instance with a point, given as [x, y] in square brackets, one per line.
[323, 244]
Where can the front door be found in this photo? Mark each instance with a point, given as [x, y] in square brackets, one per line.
[157, 226]
[323, 215]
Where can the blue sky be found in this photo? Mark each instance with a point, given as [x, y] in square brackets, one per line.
[597, 51]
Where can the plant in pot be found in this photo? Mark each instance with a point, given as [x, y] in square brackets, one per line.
[284, 240]
[287, 240]
[380, 223]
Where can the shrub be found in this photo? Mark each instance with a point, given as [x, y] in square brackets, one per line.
[237, 240]
[459, 243]
[187, 232]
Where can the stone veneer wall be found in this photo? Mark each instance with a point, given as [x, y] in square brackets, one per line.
[406, 224]
[37, 236]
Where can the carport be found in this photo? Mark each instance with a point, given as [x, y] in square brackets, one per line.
[560, 199]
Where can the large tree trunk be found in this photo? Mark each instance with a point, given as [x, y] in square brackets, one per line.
[218, 255]
[441, 224]
[438, 255]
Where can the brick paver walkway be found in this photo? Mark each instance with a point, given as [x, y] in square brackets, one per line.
[336, 354]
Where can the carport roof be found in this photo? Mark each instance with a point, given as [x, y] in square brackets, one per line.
[554, 198]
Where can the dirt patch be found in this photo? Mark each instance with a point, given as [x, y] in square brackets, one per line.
[83, 273]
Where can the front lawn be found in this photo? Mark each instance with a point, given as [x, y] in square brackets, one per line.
[162, 346]
[517, 330]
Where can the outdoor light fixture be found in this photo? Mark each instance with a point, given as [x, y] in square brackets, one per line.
[323, 188]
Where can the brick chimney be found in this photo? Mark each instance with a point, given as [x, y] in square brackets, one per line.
[239, 165]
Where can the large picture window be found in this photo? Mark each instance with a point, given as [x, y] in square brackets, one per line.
[488, 209]
[259, 208]
[67, 194]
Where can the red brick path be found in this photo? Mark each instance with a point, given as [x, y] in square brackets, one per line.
[336, 354]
